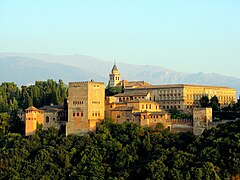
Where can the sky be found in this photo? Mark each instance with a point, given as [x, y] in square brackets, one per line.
[183, 35]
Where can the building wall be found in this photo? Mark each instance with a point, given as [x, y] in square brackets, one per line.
[186, 97]
[51, 120]
[85, 106]
[202, 117]
[120, 117]
[32, 119]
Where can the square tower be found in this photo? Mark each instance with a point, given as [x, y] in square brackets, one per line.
[85, 106]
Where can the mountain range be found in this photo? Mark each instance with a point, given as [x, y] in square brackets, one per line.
[25, 68]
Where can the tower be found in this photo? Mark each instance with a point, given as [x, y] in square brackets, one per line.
[33, 117]
[114, 77]
[85, 106]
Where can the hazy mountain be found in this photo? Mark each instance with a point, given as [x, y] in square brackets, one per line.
[23, 71]
[26, 68]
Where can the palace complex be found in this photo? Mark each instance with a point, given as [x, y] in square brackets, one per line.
[140, 103]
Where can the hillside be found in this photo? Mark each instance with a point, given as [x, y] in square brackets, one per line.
[30, 67]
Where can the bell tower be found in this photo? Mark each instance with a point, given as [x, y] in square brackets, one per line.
[114, 77]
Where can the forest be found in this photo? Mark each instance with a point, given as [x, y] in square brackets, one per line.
[125, 151]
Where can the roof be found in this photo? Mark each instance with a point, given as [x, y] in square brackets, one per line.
[131, 94]
[124, 108]
[52, 108]
[151, 113]
[31, 108]
[135, 84]
[141, 101]
[159, 113]
[178, 86]
[114, 69]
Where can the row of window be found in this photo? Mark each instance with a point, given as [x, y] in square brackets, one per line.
[170, 91]
[149, 106]
[116, 78]
[95, 113]
[77, 102]
[163, 95]
[95, 102]
[169, 98]
[122, 99]
[78, 114]
[169, 107]
[171, 102]
[30, 118]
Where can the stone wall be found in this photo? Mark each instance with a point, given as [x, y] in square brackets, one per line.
[85, 106]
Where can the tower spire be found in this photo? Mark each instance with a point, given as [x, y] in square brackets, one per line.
[114, 77]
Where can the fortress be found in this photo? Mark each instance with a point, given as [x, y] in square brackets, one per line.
[140, 103]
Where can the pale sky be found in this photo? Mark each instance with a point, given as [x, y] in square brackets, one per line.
[183, 35]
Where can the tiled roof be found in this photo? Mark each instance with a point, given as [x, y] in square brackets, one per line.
[32, 108]
[131, 94]
[124, 108]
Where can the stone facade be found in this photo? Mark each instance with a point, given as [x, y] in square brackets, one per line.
[185, 97]
[202, 119]
[48, 116]
[33, 116]
[143, 112]
[85, 106]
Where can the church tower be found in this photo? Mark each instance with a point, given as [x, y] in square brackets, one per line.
[114, 77]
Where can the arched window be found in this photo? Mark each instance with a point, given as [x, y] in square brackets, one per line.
[47, 119]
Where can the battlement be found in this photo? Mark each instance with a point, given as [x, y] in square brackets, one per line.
[72, 84]
[180, 121]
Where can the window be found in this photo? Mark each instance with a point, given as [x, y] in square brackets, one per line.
[118, 116]
[93, 114]
[82, 114]
[143, 106]
[77, 114]
[146, 106]
[150, 106]
[73, 114]
[47, 119]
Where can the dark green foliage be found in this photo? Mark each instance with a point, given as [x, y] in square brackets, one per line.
[204, 101]
[124, 151]
[214, 103]
[176, 114]
[110, 91]
[42, 93]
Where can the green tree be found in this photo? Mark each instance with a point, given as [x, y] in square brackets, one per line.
[214, 103]
[4, 123]
[204, 101]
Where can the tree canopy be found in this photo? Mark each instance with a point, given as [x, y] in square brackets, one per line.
[125, 151]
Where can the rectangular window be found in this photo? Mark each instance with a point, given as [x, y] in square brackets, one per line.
[73, 114]
[82, 114]
[77, 114]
